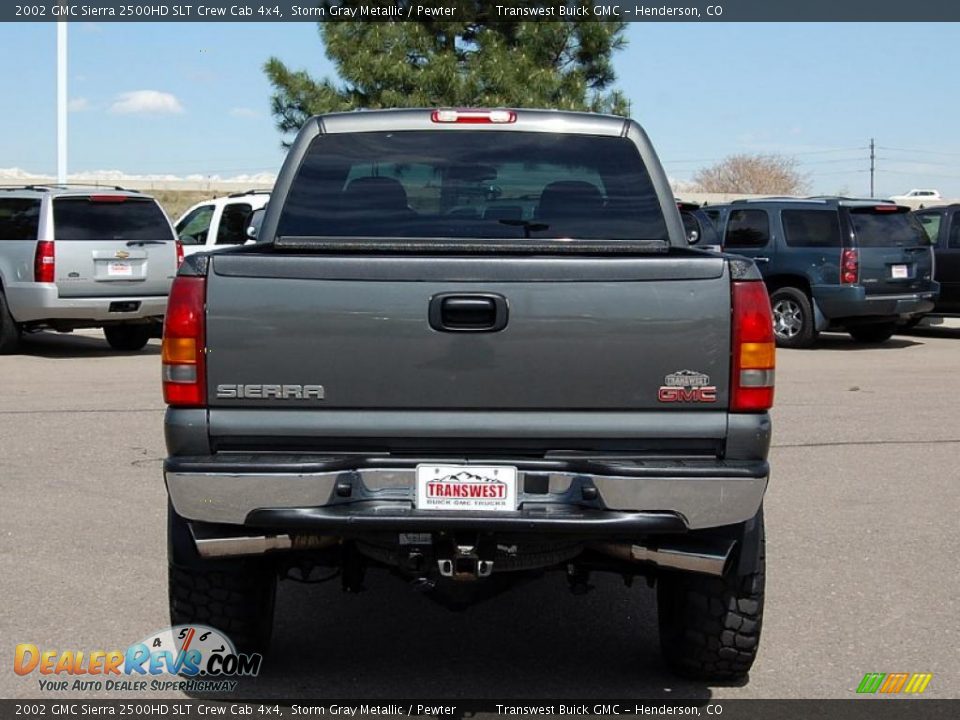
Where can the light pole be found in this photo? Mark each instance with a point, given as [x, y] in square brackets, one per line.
[61, 102]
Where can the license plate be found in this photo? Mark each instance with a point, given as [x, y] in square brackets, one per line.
[898, 271]
[467, 488]
[119, 269]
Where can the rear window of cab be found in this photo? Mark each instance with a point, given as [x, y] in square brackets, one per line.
[473, 184]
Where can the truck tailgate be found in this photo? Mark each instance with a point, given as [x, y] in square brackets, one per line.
[579, 333]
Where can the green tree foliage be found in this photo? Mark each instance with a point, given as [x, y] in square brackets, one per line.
[481, 63]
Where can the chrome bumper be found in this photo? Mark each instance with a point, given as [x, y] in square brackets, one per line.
[701, 499]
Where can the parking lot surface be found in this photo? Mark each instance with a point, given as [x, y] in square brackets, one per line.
[862, 536]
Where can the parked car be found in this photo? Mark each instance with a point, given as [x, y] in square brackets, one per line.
[834, 263]
[471, 401]
[918, 195]
[700, 229]
[219, 222]
[84, 257]
[942, 225]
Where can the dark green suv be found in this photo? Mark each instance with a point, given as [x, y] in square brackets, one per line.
[833, 263]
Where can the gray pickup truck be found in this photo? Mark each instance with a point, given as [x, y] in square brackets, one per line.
[90, 257]
[471, 346]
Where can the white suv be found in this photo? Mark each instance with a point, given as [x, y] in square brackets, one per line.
[219, 222]
[924, 195]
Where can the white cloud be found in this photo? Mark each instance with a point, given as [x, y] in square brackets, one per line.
[78, 104]
[151, 102]
[244, 112]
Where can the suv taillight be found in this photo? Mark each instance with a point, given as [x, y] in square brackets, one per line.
[184, 339]
[179, 253]
[754, 351]
[44, 262]
[849, 266]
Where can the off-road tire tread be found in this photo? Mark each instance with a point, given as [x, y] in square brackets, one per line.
[710, 626]
[239, 602]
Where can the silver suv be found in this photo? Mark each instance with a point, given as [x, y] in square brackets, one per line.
[79, 258]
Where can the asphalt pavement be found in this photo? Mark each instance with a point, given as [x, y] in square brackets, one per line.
[862, 530]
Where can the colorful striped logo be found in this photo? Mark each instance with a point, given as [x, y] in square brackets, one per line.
[893, 683]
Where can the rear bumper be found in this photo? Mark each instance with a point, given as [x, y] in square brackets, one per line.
[34, 302]
[351, 495]
[839, 302]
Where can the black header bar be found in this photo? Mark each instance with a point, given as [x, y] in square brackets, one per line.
[485, 10]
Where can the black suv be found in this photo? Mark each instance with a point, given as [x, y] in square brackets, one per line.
[943, 226]
[833, 263]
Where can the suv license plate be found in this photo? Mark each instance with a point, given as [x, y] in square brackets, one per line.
[119, 269]
[475, 488]
[898, 271]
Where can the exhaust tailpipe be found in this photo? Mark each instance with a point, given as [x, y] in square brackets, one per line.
[222, 547]
[704, 558]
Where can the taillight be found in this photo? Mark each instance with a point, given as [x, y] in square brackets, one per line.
[754, 349]
[473, 117]
[179, 253]
[44, 262]
[849, 266]
[184, 339]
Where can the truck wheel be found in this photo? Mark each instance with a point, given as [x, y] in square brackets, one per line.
[792, 318]
[710, 626]
[9, 332]
[233, 596]
[878, 333]
[128, 338]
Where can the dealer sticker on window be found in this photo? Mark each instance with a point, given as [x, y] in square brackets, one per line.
[467, 487]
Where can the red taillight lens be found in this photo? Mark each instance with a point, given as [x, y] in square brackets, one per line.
[473, 117]
[754, 350]
[108, 198]
[179, 253]
[849, 266]
[44, 262]
[184, 340]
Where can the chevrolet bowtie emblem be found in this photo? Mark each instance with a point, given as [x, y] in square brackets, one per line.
[122, 254]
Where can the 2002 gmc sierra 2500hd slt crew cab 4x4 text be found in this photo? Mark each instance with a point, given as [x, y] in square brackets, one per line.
[471, 346]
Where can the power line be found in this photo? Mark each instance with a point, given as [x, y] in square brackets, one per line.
[769, 152]
[904, 172]
[931, 152]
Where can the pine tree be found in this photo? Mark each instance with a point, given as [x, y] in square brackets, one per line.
[480, 63]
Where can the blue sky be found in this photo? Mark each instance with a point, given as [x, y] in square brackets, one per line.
[191, 98]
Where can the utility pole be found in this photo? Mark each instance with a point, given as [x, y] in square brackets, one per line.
[872, 158]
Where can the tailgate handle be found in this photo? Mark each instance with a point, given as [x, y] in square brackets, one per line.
[475, 312]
